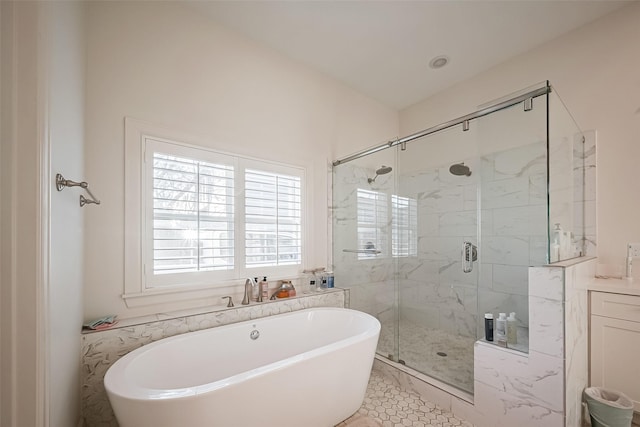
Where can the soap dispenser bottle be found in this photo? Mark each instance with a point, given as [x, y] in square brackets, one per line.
[255, 287]
[488, 326]
[265, 289]
[556, 245]
[501, 328]
[512, 329]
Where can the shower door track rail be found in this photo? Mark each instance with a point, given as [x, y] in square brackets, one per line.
[464, 120]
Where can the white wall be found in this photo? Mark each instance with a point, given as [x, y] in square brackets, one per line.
[595, 70]
[66, 49]
[23, 219]
[166, 64]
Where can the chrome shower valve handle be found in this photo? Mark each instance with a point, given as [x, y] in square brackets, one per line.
[469, 255]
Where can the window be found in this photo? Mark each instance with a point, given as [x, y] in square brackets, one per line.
[197, 219]
[374, 239]
[273, 219]
[193, 222]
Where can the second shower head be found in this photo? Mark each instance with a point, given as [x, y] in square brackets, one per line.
[460, 169]
[382, 171]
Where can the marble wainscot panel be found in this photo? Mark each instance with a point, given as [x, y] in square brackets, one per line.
[544, 387]
[101, 349]
[576, 318]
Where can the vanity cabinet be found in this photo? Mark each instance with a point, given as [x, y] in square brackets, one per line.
[615, 343]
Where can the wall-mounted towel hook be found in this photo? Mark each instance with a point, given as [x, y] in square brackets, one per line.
[61, 183]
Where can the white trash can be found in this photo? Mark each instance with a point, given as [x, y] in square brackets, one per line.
[608, 408]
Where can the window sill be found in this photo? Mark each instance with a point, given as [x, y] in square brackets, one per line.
[162, 296]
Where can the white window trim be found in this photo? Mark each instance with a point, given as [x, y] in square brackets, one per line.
[135, 292]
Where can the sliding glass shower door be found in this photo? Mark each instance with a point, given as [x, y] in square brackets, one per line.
[439, 177]
[430, 235]
[481, 222]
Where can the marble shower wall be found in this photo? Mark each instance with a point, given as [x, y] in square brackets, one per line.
[434, 291]
[511, 187]
[513, 196]
[102, 349]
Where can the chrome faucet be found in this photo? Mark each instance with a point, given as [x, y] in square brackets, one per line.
[248, 291]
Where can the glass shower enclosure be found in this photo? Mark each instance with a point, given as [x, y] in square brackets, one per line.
[436, 229]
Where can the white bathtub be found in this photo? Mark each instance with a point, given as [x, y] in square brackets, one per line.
[307, 368]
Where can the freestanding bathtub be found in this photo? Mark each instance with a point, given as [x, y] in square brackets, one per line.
[301, 369]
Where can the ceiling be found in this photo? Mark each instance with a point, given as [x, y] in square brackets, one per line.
[383, 48]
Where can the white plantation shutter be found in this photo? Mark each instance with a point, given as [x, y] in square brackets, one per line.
[193, 215]
[273, 219]
[404, 219]
[211, 217]
[197, 219]
[372, 213]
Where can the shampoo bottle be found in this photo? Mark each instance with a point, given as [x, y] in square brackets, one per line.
[488, 326]
[512, 329]
[501, 328]
[265, 289]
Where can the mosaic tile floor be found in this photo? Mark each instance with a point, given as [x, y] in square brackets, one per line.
[422, 349]
[385, 405]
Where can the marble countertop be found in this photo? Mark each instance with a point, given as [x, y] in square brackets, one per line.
[614, 285]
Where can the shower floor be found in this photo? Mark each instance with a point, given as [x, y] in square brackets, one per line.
[433, 352]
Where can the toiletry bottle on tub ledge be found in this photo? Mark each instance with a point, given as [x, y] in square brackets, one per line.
[265, 289]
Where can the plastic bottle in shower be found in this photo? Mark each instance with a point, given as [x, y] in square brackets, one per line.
[488, 326]
[501, 328]
[512, 329]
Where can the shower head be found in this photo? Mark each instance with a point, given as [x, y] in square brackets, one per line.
[460, 169]
[382, 171]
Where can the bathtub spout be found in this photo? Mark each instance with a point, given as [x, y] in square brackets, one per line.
[248, 291]
[285, 285]
[273, 295]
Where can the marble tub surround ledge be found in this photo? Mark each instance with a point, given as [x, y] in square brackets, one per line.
[100, 349]
[255, 310]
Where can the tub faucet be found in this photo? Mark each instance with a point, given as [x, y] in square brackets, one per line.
[285, 285]
[248, 291]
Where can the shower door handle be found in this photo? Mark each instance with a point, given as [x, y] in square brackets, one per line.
[469, 255]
